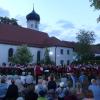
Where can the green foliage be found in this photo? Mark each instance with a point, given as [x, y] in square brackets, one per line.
[85, 37]
[85, 40]
[6, 20]
[96, 5]
[22, 55]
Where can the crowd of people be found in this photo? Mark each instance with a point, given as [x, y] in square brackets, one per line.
[81, 82]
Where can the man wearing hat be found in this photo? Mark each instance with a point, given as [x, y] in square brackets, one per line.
[61, 90]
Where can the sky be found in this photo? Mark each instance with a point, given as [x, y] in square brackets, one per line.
[60, 18]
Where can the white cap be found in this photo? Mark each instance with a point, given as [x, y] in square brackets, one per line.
[61, 84]
[20, 98]
[23, 73]
[29, 73]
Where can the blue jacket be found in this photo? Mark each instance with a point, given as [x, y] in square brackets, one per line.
[3, 89]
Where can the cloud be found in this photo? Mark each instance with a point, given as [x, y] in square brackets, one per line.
[21, 20]
[97, 28]
[43, 26]
[54, 32]
[63, 30]
[4, 12]
[68, 35]
[65, 24]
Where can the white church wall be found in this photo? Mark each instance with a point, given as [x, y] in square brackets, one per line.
[4, 52]
[58, 56]
[34, 53]
[65, 57]
[51, 53]
[33, 25]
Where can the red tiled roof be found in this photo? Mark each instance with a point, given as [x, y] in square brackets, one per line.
[17, 35]
[53, 41]
[69, 44]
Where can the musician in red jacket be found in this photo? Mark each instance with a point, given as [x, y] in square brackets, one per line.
[38, 72]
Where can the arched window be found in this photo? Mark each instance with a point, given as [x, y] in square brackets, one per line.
[10, 53]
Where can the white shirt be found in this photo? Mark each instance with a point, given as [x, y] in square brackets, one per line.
[29, 79]
[23, 79]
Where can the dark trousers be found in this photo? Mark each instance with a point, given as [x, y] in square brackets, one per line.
[37, 79]
[60, 98]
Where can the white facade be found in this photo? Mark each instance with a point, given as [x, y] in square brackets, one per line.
[54, 52]
[32, 24]
[4, 48]
[4, 52]
[61, 55]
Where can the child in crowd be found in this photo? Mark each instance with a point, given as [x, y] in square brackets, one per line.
[42, 96]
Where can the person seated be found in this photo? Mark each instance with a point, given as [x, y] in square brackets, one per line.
[20, 98]
[96, 90]
[93, 84]
[23, 78]
[64, 79]
[29, 79]
[61, 90]
[19, 84]
[51, 95]
[79, 91]
[30, 95]
[12, 91]
[52, 84]
[88, 95]
[3, 88]
[42, 96]
[71, 95]
[82, 77]
[40, 87]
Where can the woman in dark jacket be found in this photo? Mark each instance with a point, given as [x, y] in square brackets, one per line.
[31, 95]
[52, 84]
[12, 92]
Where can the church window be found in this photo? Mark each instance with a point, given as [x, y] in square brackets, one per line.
[62, 62]
[68, 62]
[61, 51]
[68, 52]
[36, 25]
[31, 25]
[10, 53]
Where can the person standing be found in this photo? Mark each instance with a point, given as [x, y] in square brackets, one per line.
[38, 72]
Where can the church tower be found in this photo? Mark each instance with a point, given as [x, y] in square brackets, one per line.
[33, 20]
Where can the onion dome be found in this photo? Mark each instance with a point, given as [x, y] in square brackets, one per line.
[33, 16]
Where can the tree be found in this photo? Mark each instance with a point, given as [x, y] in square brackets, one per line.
[96, 5]
[22, 55]
[6, 20]
[85, 40]
[47, 59]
